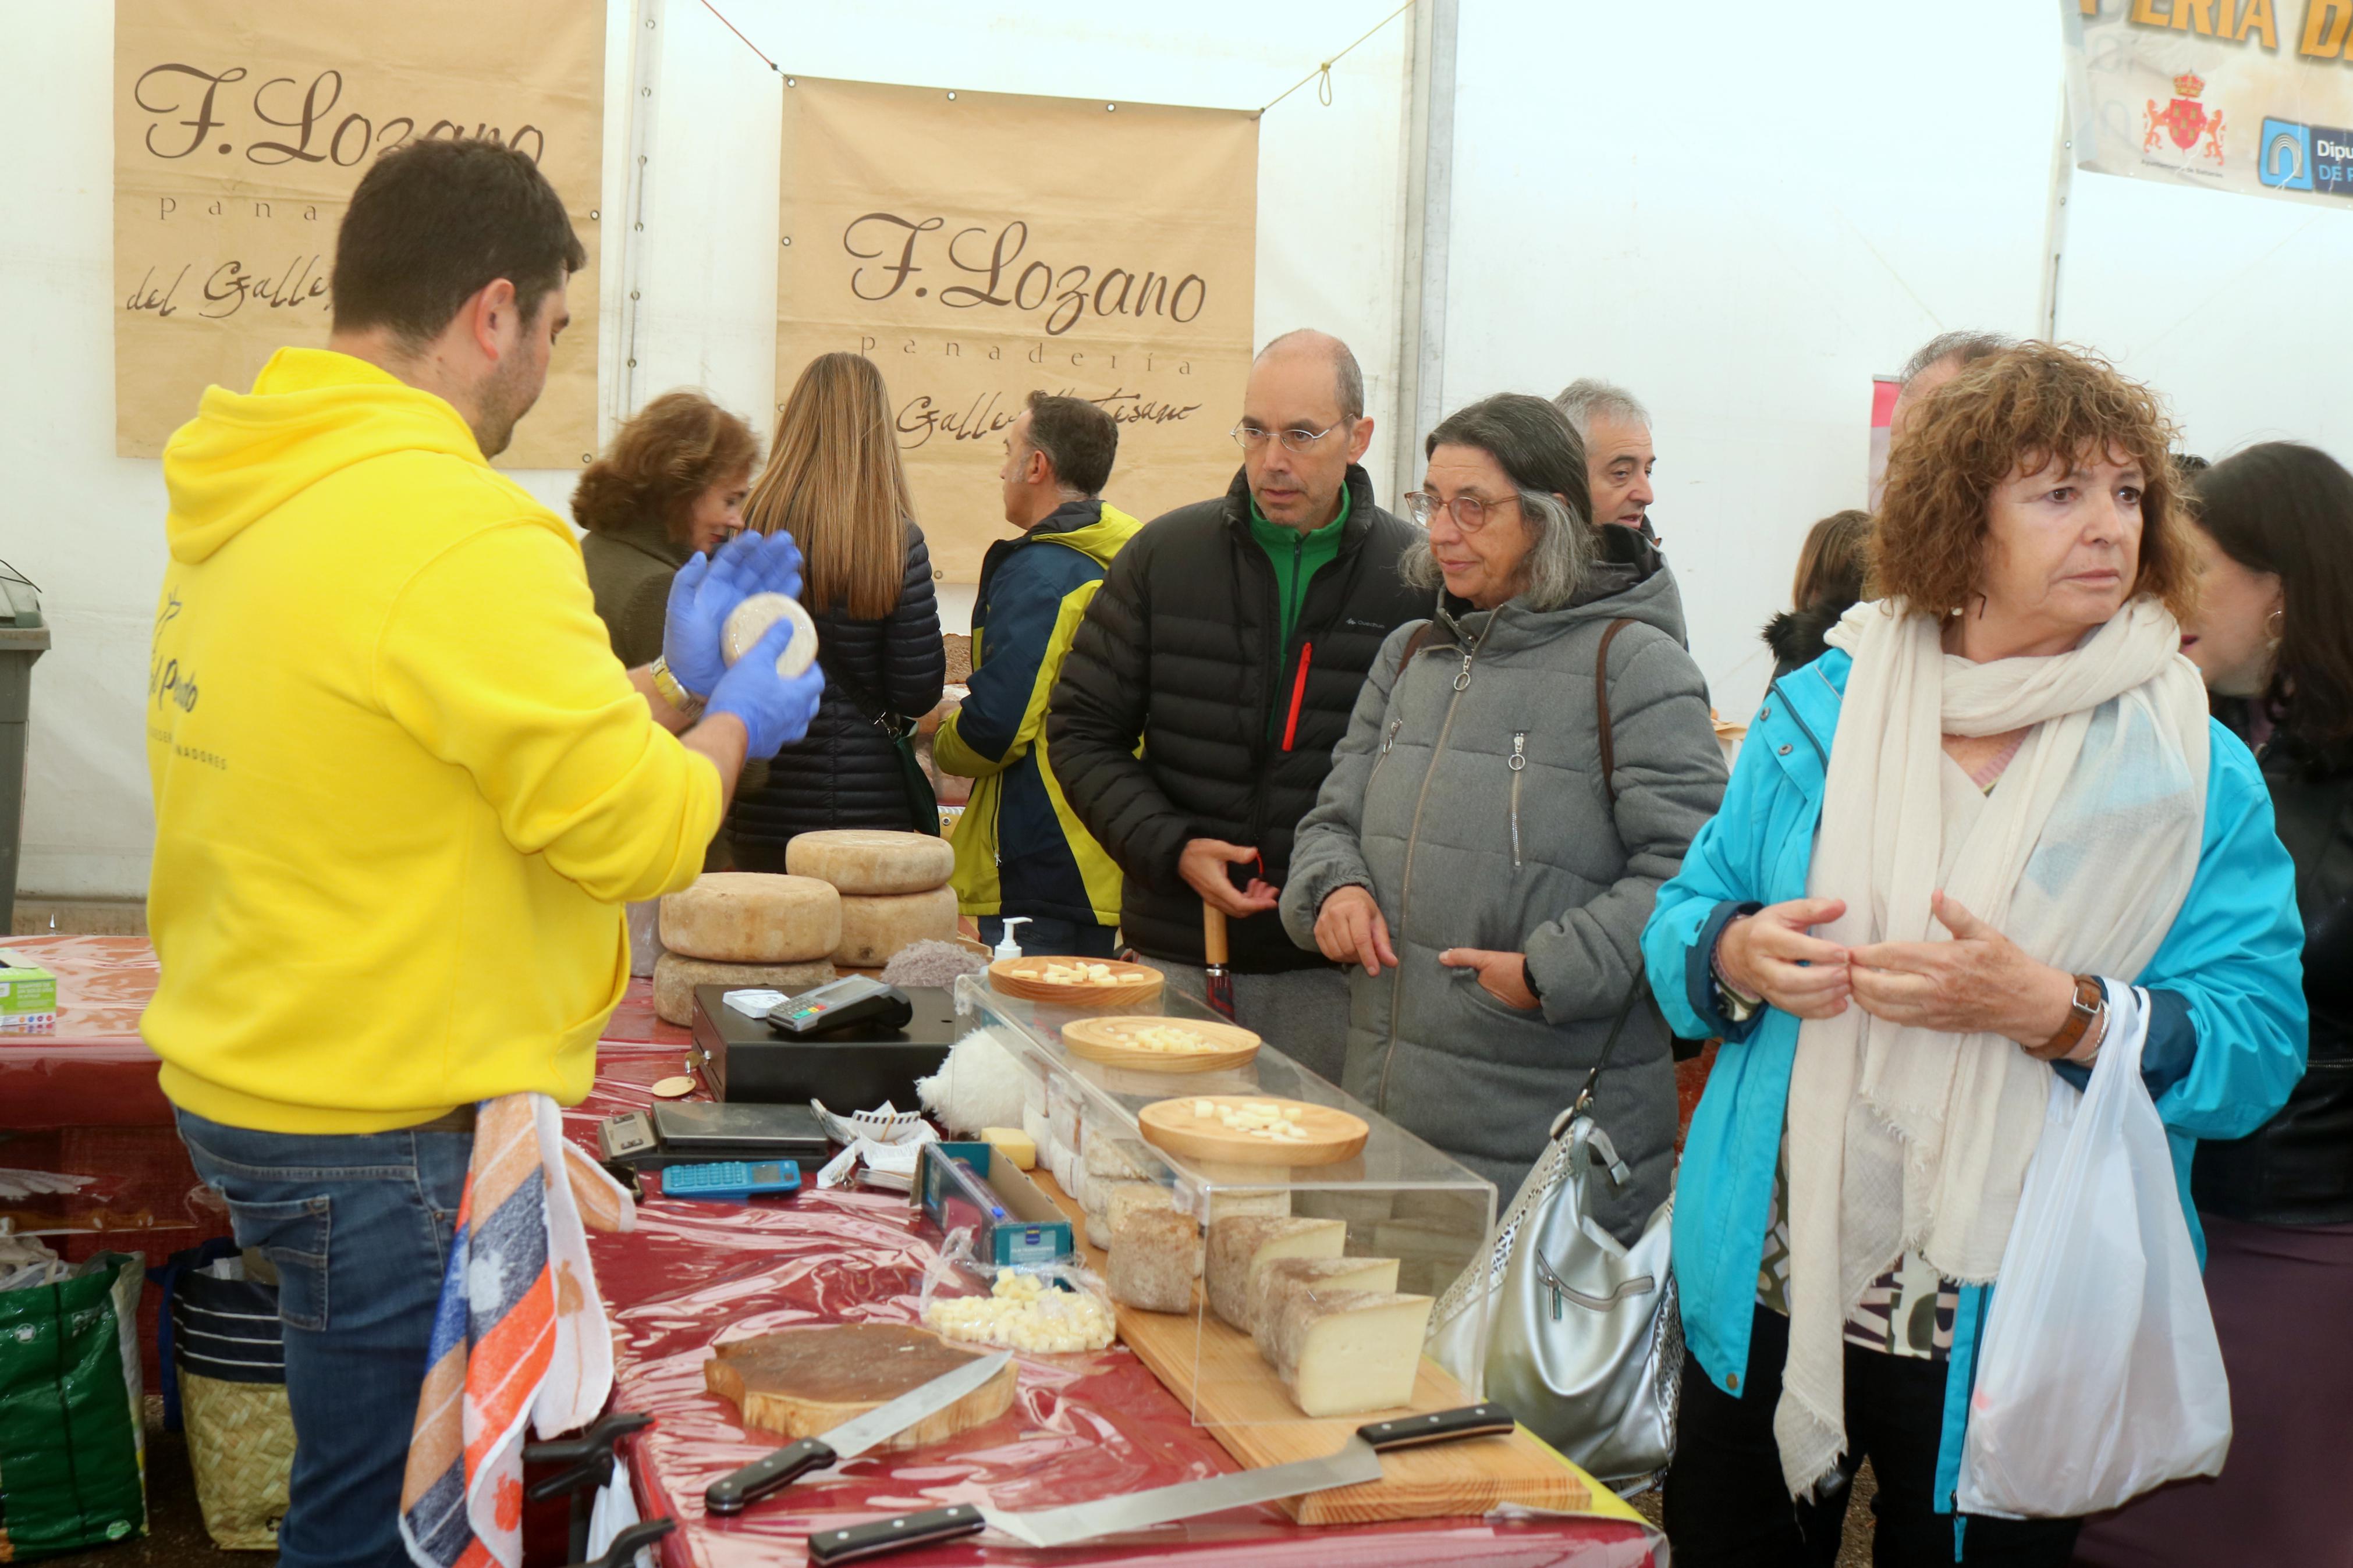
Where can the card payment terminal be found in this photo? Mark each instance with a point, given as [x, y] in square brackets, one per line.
[842, 1005]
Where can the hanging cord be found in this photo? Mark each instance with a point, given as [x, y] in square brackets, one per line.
[739, 33]
[1322, 75]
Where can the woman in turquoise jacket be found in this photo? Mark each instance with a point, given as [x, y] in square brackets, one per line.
[2010, 755]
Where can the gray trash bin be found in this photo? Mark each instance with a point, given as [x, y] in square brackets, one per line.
[24, 638]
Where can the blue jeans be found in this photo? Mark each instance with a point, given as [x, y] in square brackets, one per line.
[1053, 938]
[359, 1227]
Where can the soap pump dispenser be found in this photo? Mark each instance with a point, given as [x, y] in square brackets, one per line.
[1005, 946]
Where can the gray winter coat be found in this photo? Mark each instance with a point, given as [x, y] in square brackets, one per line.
[1468, 797]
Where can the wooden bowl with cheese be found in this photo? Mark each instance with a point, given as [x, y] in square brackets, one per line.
[1077, 982]
[1150, 1043]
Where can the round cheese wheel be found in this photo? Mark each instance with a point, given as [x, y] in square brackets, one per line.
[872, 929]
[676, 976]
[870, 861]
[749, 917]
[748, 622]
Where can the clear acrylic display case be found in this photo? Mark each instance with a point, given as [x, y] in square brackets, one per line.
[1398, 1197]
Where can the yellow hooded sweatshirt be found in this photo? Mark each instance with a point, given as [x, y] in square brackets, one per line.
[402, 786]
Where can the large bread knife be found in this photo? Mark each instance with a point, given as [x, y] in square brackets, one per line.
[734, 1493]
[1356, 1460]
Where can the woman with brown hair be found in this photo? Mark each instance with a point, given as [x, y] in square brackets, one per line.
[1997, 803]
[1829, 580]
[834, 481]
[671, 487]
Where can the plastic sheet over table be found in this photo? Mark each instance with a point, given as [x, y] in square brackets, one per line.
[1083, 1426]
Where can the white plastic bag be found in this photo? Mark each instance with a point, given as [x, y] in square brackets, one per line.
[2099, 1376]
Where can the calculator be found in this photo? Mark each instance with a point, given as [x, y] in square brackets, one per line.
[731, 1180]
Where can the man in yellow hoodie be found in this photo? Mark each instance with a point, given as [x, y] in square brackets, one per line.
[403, 788]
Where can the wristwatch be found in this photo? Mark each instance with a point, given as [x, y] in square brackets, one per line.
[2091, 1000]
[1736, 1006]
[672, 691]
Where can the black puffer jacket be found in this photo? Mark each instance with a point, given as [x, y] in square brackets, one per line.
[847, 772]
[1179, 650]
[2297, 1168]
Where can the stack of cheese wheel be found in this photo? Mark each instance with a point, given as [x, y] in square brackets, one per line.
[893, 886]
[742, 929]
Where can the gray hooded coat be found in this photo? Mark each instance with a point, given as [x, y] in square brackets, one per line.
[1468, 796]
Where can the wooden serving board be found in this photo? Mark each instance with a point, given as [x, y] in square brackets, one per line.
[1330, 1135]
[802, 1382]
[1106, 1040]
[1138, 983]
[1216, 1372]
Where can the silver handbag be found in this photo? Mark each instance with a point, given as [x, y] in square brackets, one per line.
[1584, 1343]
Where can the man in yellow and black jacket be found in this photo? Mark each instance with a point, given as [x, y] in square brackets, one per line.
[1020, 850]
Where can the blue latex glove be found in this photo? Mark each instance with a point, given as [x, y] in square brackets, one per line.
[705, 593]
[775, 711]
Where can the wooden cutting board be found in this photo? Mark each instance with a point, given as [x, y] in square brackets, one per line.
[804, 1382]
[1330, 1134]
[1135, 985]
[1215, 1372]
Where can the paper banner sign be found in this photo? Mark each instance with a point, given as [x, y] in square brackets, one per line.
[979, 246]
[239, 131]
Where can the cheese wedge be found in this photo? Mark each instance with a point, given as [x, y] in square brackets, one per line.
[1286, 1277]
[1014, 1145]
[1152, 1254]
[1344, 1353]
[1241, 1245]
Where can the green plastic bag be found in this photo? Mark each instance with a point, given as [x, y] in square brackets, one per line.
[72, 1446]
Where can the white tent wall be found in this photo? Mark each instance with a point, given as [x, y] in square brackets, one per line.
[1741, 216]
[87, 525]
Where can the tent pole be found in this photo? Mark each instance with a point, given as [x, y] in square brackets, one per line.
[1428, 192]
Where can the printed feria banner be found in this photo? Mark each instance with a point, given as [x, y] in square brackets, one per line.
[239, 131]
[2253, 95]
[978, 245]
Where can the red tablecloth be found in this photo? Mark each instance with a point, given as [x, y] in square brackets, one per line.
[1083, 1425]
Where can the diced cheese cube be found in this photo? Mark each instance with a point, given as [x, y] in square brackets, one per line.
[1239, 1248]
[1346, 1353]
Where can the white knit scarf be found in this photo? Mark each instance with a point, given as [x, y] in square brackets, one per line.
[1901, 1139]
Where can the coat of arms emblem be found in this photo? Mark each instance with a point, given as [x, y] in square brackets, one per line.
[2183, 119]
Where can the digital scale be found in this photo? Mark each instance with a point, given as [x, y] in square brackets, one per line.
[854, 1044]
[685, 1132]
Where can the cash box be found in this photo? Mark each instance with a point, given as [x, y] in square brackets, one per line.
[972, 1186]
[744, 1059]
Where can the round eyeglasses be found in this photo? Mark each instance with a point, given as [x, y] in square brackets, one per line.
[1470, 514]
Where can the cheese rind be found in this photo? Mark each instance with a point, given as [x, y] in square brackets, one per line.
[752, 917]
[748, 622]
[1344, 1352]
[1014, 1145]
[1240, 1245]
[676, 976]
[1285, 1277]
[872, 862]
[875, 928]
[1152, 1254]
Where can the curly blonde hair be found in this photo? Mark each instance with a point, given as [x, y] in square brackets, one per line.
[2009, 415]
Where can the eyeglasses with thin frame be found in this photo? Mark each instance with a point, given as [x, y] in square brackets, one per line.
[1298, 438]
[1471, 513]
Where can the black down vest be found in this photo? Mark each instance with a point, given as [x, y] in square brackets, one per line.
[1181, 650]
[845, 773]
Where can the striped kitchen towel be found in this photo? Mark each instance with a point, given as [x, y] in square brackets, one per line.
[521, 1333]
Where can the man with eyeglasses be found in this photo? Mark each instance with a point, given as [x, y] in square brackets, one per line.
[1228, 642]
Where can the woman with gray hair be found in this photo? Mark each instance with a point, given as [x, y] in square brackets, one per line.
[1522, 771]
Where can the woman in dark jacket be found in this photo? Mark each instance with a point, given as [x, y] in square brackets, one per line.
[670, 486]
[2273, 637]
[836, 484]
[1829, 581]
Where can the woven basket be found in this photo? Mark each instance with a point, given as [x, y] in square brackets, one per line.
[241, 1448]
